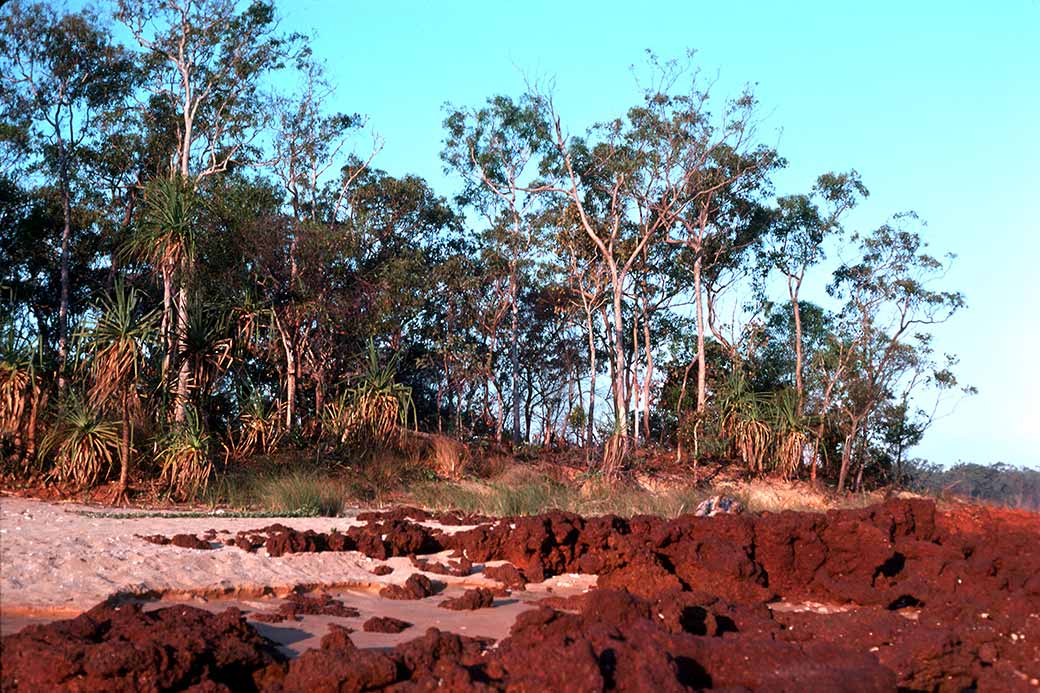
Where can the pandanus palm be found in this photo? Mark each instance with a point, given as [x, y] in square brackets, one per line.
[206, 349]
[166, 239]
[372, 412]
[83, 442]
[20, 391]
[117, 344]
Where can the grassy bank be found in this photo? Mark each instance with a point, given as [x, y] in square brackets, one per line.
[514, 490]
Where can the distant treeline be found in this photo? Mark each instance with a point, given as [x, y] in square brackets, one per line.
[1000, 483]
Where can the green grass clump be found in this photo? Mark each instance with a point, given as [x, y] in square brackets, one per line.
[286, 492]
[300, 492]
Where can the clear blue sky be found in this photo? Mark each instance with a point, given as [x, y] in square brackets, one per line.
[937, 104]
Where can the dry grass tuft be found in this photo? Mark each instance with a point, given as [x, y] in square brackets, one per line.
[443, 455]
[774, 496]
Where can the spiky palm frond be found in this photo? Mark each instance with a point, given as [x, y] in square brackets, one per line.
[84, 444]
[117, 342]
[167, 234]
[14, 384]
[208, 346]
[790, 432]
[260, 427]
[371, 413]
[19, 383]
[790, 451]
[183, 454]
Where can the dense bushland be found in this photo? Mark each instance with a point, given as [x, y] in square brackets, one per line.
[196, 271]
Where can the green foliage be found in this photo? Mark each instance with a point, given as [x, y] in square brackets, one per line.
[170, 222]
[764, 428]
[260, 429]
[83, 444]
[117, 344]
[998, 483]
[371, 411]
[524, 493]
[238, 297]
[183, 453]
[19, 385]
[300, 492]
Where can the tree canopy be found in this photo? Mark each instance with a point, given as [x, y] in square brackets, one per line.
[196, 267]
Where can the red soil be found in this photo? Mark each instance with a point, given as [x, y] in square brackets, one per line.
[508, 575]
[459, 568]
[928, 601]
[184, 541]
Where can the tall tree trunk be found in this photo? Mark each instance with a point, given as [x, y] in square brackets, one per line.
[66, 234]
[620, 399]
[500, 414]
[166, 326]
[38, 401]
[633, 385]
[616, 449]
[821, 427]
[846, 458]
[528, 408]
[647, 378]
[702, 393]
[290, 389]
[124, 449]
[793, 287]
[440, 404]
[678, 412]
[590, 426]
[319, 392]
[571, 382]
[181, 397]
[514, 350]
[846, 453]
[184, 369]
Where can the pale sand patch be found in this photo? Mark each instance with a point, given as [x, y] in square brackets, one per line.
[56, 561]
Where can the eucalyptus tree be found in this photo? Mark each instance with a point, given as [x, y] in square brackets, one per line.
[664, 173]
[61, 70]
[586, 281]
[331, 283]
[595, 178]
[799, 233]
[717, 221]
[310, 148]
[491, 298]
[496, 149]
[889, 307]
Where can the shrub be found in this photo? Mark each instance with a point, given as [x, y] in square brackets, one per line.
[183, 453]
[83, 443]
